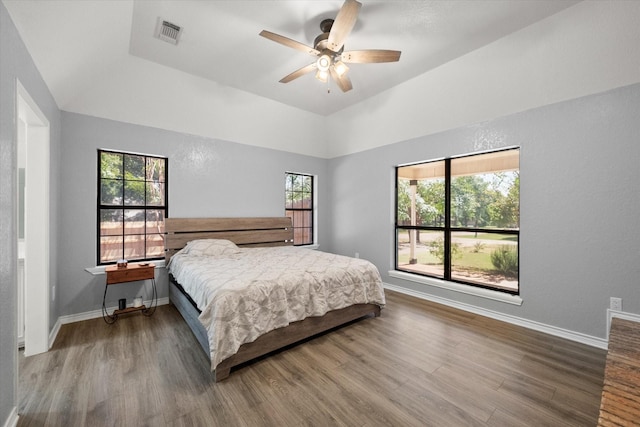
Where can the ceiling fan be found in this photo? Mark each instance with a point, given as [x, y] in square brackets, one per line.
[329, 48]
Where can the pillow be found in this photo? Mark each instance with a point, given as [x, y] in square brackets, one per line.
[211, 247]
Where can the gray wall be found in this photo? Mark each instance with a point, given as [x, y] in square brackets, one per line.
[206, 178]
[16, 63]
[580, 206]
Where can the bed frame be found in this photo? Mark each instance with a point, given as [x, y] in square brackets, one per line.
[247, 232]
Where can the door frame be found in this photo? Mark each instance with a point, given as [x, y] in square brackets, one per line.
[37, 222]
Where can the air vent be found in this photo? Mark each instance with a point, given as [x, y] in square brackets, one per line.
[167, 31]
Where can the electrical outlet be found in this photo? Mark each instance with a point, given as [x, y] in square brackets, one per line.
[615, 304]
[53, 293]
[357, 255]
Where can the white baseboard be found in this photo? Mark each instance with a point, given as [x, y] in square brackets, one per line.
[530, 324]
[88, 315]
[12, 419]
[54, 333]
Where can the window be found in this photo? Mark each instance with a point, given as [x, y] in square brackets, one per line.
[458, 219]
[132, 206]
[298, 196]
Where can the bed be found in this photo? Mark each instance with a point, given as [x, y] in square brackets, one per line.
[229, 317]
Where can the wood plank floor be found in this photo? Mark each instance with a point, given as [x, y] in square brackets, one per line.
[419, 364]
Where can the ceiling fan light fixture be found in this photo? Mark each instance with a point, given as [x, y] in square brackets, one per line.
[328, 49]
[341, 68]
[322, 75]
[324, 62]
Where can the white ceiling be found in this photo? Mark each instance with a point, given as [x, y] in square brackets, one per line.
[75, 43]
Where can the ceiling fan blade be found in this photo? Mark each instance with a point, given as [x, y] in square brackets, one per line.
[343, 24]
[298, 73]
[288, 42]
[344, 83]
[371, 56]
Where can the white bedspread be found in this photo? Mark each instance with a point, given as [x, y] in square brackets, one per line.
[246, 294]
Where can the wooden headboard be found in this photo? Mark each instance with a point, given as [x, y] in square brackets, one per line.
[247, 232]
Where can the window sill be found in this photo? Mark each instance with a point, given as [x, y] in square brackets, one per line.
[100, 268]
[458, 287]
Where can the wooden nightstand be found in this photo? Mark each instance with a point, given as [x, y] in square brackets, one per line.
[130, 273]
